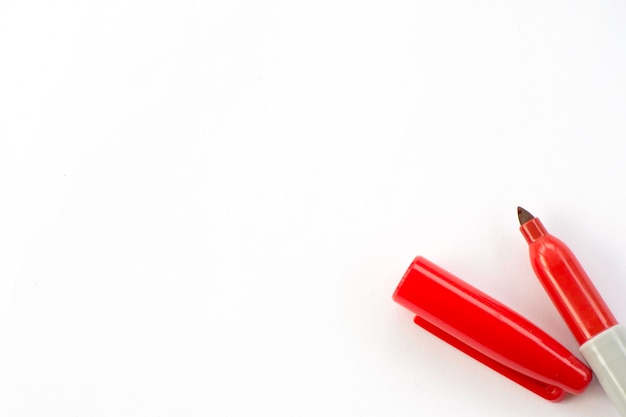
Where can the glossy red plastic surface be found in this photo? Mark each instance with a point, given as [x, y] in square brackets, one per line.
[567, 283]
[490, 332]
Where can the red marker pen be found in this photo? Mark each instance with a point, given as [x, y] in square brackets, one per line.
[602, 338]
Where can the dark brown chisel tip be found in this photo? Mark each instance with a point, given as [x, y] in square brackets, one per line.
[524, 216]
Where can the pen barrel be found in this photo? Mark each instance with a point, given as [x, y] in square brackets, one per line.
[606, 355]
[569, 288]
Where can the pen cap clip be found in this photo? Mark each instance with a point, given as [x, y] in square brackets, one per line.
[490, 332]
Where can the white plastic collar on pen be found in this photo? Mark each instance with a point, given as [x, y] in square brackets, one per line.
[606, 355]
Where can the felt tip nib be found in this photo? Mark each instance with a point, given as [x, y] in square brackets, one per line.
[524, 216]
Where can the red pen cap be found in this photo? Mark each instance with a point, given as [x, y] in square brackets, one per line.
[490, 332]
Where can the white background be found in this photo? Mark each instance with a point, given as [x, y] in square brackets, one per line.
[205, 206]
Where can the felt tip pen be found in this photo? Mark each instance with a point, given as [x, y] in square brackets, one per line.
[602, 339]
